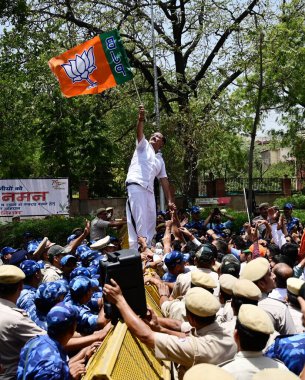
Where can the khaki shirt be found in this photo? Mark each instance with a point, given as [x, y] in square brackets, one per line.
[246, 363]
[225, 313]
[183, 282]
[16, 328]
[51, 273]
[229, 325]
[174, 309]
[211, 344]
[279, 314]
[296, 315]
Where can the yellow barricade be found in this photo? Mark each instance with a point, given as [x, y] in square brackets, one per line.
[121, 356]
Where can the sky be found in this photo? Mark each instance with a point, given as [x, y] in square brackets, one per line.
[271, 123]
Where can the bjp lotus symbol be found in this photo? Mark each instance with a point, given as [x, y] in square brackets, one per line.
[81, 67]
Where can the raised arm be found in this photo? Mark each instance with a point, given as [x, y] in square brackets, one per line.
[140, 124]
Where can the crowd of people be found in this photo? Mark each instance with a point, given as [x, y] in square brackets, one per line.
[234, 301]
[233, 304]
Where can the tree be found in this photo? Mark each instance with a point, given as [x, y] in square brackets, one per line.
[49, 135]
[204, 49]
[198, 56]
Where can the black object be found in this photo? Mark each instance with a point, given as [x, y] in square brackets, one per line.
[125, 268]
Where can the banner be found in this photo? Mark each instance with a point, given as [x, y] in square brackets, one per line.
[221, 201]
[34, 197]
[92, 67]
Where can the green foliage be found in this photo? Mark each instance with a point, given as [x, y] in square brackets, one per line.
[202, 113]
[297, 200]
[280, 170]
[56, 228]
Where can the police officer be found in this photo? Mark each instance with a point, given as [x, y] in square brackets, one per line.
[175, 309]
[16, 328]
[205, 342]
[258, 271]
[253, 329]
[44, 356]
[81, 289]
[243, 292]
[52, 271]
[204, 260]
[226, 282]
[47, 295]
[31, 282]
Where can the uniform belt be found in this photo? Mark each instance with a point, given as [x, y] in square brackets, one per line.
[132, 183]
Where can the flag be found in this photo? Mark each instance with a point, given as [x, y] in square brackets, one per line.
[92, 67]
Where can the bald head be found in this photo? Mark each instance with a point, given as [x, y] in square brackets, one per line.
[282, 272]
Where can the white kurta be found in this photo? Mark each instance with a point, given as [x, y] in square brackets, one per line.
[145, 166]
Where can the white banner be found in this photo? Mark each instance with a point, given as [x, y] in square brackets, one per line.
[34, 197]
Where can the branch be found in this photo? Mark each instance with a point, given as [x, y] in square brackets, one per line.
[70, 17]
[296, 100]
[150, 79]
[158, 29]
[197, 37]
[194, 83]
[220, 89]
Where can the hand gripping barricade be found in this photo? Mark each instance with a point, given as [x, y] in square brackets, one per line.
[122, 356]
[125, 268]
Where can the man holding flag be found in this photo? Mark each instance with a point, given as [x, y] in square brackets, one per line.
[146, 164]
[93, 67]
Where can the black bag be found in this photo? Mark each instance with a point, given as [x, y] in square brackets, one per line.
[125, 268]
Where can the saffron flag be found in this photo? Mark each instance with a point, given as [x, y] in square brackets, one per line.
[92, 67]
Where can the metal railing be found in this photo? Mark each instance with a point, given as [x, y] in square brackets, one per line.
[260, 185]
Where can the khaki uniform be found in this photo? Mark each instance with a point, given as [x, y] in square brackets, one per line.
[279, 314]
[211, 344]
[229, 325]
[16, 329]
[246, 363]
[51, 273]
[174, 309]
[296, 315]
[225, 313]
[183, 282]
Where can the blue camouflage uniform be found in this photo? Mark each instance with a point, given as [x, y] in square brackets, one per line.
[197, 225]
[93, 303]
[291, 223]
[80, 271]
[169, 277]
[79, 286]
[33, 245]
[47, 295]
[71, 238]
[219, 227]
[43, 357]
[171, 260]
[26, 298]
[27, 295]
[290, 349]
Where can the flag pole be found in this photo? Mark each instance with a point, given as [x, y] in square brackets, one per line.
[157, 111]
[138, 95]
[246, 204]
